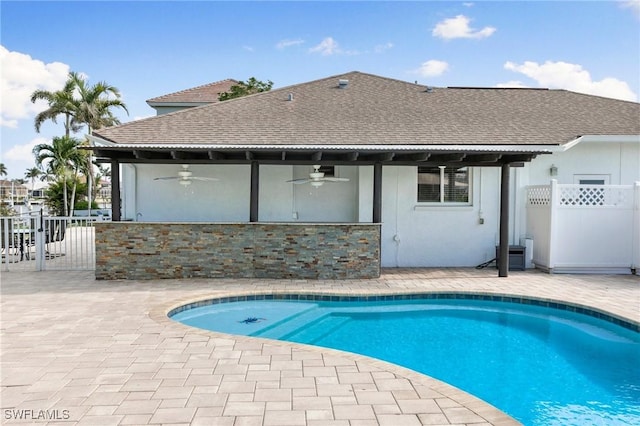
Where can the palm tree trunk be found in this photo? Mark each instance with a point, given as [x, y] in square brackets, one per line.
[73, 192]
[89, 175]
[67, 125]
[64, 195]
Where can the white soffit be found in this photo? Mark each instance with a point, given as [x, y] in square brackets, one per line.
[601, 139]
[461, 148]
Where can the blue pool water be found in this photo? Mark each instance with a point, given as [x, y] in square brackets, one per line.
[542, 366]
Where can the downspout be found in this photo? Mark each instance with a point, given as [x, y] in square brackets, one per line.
[377, 206]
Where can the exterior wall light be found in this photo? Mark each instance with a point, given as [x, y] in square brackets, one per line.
[553, 170]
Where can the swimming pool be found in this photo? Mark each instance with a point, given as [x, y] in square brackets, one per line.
[542, 366]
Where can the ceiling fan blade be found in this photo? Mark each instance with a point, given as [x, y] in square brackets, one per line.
[336, 179]
[167, 178]
[299, 181]
[204, 178]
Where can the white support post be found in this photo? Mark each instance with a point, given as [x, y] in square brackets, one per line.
[553, 220]
[635, 230]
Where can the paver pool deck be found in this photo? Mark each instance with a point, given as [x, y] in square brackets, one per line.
[105, 353]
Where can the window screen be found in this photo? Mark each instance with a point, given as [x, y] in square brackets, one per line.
[443, 184]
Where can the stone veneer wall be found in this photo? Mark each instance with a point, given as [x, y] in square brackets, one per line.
[137, 250]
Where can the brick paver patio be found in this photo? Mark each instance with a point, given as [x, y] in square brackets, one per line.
[104, 353]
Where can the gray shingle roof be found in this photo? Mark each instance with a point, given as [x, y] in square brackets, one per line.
[375, 110]
[207, 93]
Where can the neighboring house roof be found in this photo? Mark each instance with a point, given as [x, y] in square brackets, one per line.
[205, 94]
[372, 111]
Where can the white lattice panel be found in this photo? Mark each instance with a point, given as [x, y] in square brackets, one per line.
[539, 195]
[596, 195]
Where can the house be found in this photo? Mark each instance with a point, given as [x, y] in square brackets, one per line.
[12, 192]
[189, 98]
[420, 176]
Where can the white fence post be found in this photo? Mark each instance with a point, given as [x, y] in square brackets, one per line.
[553, 221]
[40, 242]
[5, 243]
[635, 230]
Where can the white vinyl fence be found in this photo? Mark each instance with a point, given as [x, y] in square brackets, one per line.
[38, 243]
[585, 228]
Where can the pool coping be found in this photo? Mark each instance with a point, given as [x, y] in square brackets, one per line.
[493, 415]
[489, 297]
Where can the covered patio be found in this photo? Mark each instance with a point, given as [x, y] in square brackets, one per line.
[368, 127]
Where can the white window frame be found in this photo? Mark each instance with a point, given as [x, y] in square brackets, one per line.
[578, 179]
[442, 201]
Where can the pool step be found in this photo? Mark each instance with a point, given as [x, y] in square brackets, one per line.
[293, 324]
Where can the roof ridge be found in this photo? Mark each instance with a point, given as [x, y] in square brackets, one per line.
[192, 89]
[595, 96]
[338, 76]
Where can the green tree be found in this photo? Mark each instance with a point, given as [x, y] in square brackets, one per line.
[3, 169]
[93, 108]
[81, 104]
[94, 104]
[249, 87]
[61, 158]
[32, 174]
[60, 102]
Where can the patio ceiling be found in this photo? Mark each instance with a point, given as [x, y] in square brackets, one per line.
[471, 156]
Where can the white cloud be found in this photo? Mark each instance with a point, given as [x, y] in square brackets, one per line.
[467, 4]
[458, 27]
[248, 48]
[8, 123]
[512, 83]
[383, 47]
[23, 153]
[564, 75]
[432, 68]
[283, 44]
[634, 5]
[21, 76]
[142, 117]
[327, 47]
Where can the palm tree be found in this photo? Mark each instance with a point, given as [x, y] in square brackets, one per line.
[3, 169]
[93, 108]
[60, 102]
[61, 158]
[94, 104]
[32, 174]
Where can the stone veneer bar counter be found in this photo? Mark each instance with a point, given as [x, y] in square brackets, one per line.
[148, 250]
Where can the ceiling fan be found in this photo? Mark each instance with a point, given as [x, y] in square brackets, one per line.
[317, 178]
[185, 176]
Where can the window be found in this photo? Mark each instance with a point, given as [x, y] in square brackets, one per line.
[329, 171]
[591, 195]
[443, 184]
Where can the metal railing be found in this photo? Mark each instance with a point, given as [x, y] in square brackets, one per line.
[35, 242]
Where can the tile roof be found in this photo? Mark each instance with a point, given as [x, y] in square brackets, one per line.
[374, 110]
[207, 93]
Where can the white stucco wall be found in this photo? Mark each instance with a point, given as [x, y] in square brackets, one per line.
[282, 201]
[226, 200]
[420, 234]
[620, 161]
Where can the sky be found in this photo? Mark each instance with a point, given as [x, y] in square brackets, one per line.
[150, 48]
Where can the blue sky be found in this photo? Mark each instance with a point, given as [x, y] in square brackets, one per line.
[148, 48]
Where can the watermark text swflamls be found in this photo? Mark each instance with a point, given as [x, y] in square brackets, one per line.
[37, 415]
